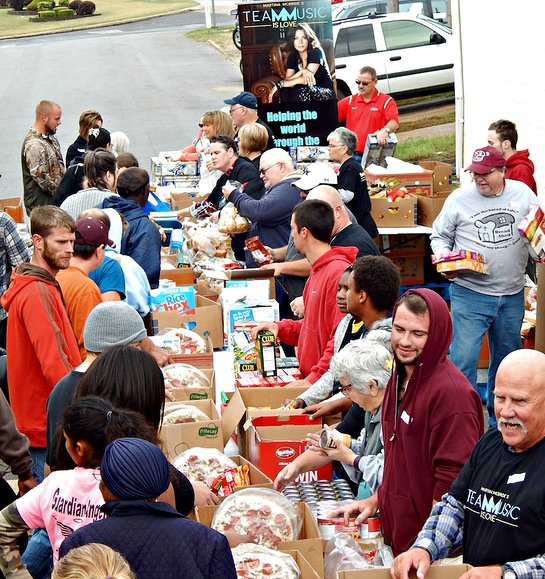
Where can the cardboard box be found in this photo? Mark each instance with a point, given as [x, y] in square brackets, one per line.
[171, 271]
[206, 321]
[305, 567]
[428, 208]
[13, 206]
[246, 273]
[434, 572]
[417, 183]
[402, 245]
[271, 448]
[179, 299]
[248, 403]
[181, 200]
[442, 175]
[180, 437]
[463, 264]
[411, 269]
[399, 213]
[375, 154]
[309, 543]
[161, 166]
[184, 394]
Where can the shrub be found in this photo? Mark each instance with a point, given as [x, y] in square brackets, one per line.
[64, 3]
[86, 8]
[17, 4]
[74, 5]
[64, 12]
[43, 5]
[47, 14]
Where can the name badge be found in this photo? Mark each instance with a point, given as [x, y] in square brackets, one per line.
[516, 478]
[405, 417]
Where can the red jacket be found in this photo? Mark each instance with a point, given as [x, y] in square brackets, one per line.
[41, 347]
[429, 437]
[519, 167]
[313, 335]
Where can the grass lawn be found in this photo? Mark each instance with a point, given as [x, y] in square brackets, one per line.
[108, 12]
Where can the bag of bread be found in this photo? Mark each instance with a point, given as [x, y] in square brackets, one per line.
[231, 221]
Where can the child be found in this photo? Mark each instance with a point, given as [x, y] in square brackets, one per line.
[69, 499]
[93, 561]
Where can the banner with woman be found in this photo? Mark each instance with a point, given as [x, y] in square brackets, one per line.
[288, 63]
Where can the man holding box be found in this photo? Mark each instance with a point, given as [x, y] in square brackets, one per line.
[369, 112]
[483, 217]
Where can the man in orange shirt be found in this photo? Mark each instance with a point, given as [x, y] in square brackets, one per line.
[82, 294]
[41, 345]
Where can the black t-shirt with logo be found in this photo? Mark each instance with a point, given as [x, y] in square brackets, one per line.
[504, 497]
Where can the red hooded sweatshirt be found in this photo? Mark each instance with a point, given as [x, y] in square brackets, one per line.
[41, 346]
[313, 335]
[429, 437]
[520, 168]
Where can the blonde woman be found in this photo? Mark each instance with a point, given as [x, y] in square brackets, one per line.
[93, 561]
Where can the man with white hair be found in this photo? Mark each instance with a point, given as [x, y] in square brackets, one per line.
[494, 508]
[270, 215]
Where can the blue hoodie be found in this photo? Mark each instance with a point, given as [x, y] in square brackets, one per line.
[142, 240]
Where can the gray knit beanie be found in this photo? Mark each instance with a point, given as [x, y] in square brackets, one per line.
[111, 324]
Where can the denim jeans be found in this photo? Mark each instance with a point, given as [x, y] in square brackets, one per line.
[473, 315]
[38, 556]
[38, 462]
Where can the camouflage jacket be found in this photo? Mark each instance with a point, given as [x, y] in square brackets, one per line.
[43, 168]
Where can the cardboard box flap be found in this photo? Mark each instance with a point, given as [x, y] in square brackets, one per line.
[240, 400]
[434, 572]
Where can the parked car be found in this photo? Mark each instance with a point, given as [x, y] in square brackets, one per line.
[412, 54]
[436, 9]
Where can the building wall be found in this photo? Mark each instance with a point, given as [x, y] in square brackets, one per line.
[499, 75]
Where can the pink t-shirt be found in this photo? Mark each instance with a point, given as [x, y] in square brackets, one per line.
[65, 501]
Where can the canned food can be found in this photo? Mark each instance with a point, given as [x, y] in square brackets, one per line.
[350, 528]
[373, 526]
[326, 527]
[328, 440]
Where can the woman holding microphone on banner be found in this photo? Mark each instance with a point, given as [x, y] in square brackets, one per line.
[307, 76]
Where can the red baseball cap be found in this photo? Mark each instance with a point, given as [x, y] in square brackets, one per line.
[92, 232]
[486, 159]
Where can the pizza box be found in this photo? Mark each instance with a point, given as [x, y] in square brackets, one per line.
[206, 321]
[309, 543]
[208, 434]
[434, 572]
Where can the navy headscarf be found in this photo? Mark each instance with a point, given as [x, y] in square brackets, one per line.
[133, 468]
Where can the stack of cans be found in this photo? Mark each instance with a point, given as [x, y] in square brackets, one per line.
[317, 491]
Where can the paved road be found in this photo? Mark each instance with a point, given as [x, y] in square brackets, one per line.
[146, 78]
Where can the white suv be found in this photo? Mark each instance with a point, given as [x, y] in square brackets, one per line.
[412, 54]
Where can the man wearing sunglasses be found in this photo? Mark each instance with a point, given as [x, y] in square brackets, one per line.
[369, 111]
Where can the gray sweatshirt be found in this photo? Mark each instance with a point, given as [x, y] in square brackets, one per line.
[487, 225]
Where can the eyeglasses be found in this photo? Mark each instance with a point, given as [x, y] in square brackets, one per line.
[234, 109]
[363, 83]
[263, 171]
[484, 175]
[332, 146]
[344, 389]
